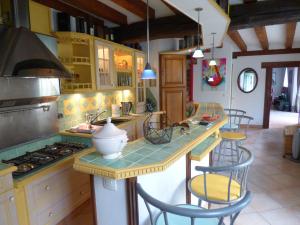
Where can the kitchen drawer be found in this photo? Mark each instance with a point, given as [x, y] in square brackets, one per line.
[46, 191]
[58, 211]
[6, 183]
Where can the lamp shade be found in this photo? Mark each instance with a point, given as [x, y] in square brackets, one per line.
[148, 73]
[210, 79]
[198, 53]
[212, 62]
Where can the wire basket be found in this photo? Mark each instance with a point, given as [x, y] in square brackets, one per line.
[158, 132]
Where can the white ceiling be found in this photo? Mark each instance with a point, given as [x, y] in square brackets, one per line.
[212, 18]
[276, 36]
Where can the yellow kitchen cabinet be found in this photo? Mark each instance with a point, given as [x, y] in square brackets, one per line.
[104, 65]
[40, 18]
[52, 194]
[76, 52]
[139, 58]
[124, 67]
[8, 212]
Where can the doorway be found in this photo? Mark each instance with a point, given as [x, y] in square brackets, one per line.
[285, 92]
[281, 104]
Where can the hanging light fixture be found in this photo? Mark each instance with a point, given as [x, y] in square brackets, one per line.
[212, 61]
[148, 73]
[198, 52]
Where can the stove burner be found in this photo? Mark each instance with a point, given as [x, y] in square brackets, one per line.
[65, 152]
[25, 167]
[37, 159]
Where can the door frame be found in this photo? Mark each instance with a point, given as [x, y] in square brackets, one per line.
[269, 66]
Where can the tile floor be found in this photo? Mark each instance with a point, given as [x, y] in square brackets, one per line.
[273, 180]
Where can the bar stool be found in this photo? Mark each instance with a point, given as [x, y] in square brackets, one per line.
[234, 120]
[189, 214]
[222, 184]
[233, 138]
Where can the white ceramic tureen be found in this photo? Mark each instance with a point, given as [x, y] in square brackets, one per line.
[110, 140]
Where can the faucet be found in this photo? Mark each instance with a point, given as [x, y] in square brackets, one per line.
[90, 117]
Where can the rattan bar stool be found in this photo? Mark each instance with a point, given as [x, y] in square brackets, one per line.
[190, 214]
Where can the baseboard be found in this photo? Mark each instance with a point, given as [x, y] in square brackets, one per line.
[253, 126]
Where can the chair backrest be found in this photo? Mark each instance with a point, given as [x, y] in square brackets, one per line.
[192, 213]
[235, 171]
[234, 118]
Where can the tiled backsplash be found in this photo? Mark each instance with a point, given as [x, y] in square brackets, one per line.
[75, 106]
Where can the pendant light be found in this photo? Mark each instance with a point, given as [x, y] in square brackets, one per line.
[198, 52]
[148, 73]
[212, 61]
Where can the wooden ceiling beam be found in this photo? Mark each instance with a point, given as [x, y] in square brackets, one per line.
[262, 37]
[137, 7]
[266, 52]
[290, 34]
[164, 27]
[237, 39]
[98, 9]
[263, 13]
[60, 6]
[249, 1]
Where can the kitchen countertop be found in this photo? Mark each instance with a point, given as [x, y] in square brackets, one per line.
[141, 157]
[6, 169]
[132, 117]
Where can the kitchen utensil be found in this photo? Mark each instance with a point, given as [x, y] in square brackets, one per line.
[126, 107]
[110, 140]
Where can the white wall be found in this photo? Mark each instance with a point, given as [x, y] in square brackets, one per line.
[253, 103]
[157, 46]
[222, 97]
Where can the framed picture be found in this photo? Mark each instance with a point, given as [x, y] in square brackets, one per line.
[213, 77]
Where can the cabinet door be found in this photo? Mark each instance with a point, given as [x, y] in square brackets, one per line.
[140, 84]
[123, 64]
[173, 102]
[104, 73]
[8, 212]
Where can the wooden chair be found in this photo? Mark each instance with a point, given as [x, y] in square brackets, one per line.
[186, 214]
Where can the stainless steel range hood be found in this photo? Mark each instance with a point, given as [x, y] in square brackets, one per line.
[24, 55]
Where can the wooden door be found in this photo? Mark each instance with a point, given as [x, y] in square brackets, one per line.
[173, 86]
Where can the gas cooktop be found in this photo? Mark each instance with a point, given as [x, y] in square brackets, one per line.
[35, 160]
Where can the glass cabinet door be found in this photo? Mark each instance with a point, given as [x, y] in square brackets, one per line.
[123, 60]
[140, 84]
[104, 66]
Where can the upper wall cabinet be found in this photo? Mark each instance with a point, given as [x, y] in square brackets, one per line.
[140, 84]
[124, 67]
[40, 19]
[104, 65]
[76, 52]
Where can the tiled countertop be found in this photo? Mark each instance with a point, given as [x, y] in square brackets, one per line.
[141, 157]
[5, 169]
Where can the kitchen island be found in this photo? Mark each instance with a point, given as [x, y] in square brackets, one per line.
[162, 170]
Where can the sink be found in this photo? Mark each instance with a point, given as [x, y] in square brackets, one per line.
[115, 121]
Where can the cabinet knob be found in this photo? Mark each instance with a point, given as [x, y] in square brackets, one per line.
[82, 192]
[47, 187]
[51, 214]
[11, 198]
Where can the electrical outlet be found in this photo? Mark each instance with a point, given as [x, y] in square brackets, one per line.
[110, 184]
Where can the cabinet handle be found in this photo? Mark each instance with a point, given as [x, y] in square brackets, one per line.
[11, 198]
[51, 214]
[47, 187]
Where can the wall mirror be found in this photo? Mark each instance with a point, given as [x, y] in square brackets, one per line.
[247, 80]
